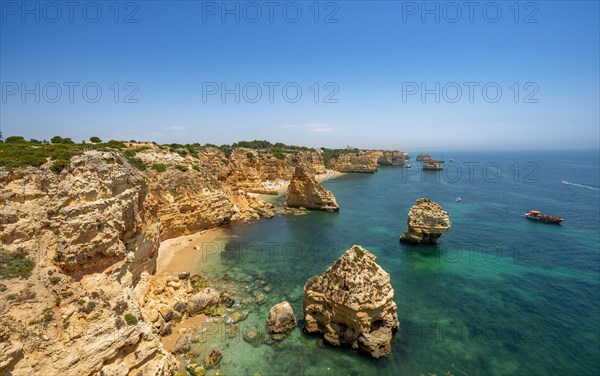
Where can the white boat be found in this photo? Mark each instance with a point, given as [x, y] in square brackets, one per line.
[458, 199]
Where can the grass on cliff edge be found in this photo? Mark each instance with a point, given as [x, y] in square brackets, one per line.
[18, 153]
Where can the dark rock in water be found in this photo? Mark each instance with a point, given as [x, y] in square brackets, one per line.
[213, 358]
[226, 300]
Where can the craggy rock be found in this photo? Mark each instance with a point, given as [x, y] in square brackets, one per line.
[281, 318]
[432, 166]
[423, 157]
[305, 191]
[351, 304]
[426, 223]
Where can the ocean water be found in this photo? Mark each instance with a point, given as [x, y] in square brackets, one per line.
[498, 294]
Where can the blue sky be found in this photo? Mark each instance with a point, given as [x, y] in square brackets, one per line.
[372, 64]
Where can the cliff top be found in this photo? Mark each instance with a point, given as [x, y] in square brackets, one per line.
[354, 280]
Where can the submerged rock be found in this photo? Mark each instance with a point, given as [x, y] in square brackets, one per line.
[352, 304]
[213, 358]
[427, 221]
[281, 318]
[253, 337]
[305, 191]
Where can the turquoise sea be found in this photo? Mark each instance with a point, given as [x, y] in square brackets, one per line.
[498, 295]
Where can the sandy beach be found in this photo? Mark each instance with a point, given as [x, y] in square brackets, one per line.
[184, 253]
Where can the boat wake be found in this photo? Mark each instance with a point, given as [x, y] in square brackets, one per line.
[581, 185]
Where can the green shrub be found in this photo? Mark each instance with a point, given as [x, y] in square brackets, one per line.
[278, 154]
[114, 144]
[15, 140]
[95, 140]
[56, 140]
[3, 287]
[250, 155]
[137, 162]
[55, 279]
[181, 168]
[195, 167]
[130, 319]
[15, 265]
[159, 167]
[59, 165]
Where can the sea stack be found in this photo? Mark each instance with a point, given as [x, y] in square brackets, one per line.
[427, 221]
[306, 192]
[423, 157]
[432, 165]
[351, 304]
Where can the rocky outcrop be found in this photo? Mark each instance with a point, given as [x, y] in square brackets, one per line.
[305, 191]
[432, 166]
[363, 161]
[427, 221]
[281, 318]
[351, 304]
[423, 157]
[390, 158]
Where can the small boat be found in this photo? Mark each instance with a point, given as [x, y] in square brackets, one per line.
[458, 199]
[536, 215]
[565, 182]
[408, 166]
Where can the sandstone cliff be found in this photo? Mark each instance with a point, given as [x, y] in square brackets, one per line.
[352, 304]
[426, 223]
[363, 161]
[90, 237]
[390, 158]
[305, 191]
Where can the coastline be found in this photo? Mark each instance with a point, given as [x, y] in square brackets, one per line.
[179, 254]
[281, 186]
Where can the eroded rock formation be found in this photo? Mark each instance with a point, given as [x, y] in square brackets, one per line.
[305, 191]
[351, 304]
[427, 221]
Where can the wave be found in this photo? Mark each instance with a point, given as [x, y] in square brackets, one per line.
[583, 186]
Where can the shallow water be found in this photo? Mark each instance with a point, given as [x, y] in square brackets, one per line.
[498, 295]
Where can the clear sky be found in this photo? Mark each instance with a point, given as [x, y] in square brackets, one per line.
[371, 61]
